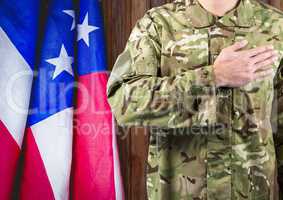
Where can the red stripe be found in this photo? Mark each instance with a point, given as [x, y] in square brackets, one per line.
[9, 157]
[34, 181]
[93, 167]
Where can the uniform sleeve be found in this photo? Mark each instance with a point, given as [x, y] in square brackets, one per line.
[277, 117]
[138, 95]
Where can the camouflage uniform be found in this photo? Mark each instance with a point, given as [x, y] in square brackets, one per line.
[206, 142]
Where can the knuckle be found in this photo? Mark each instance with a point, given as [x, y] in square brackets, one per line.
[262, 49]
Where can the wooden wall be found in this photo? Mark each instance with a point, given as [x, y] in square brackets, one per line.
[120, 16]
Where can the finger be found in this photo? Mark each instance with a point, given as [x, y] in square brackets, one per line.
[267, 62]
[238, 45]
[264, 56]
[267, 67]
[263, 74]
[257, 50]
[259, 79]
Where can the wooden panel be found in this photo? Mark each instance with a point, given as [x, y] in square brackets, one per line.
[117, 29]
[120, 16]
[117, 26]
[276, 3]
[138, 135]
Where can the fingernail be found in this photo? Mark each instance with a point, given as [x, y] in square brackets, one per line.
[244, 42]
[275, 58]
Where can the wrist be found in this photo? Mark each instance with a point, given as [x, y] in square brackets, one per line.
[218, 81]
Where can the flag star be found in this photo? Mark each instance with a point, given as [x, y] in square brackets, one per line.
[72, 14]
[62, 63]
[84, 30]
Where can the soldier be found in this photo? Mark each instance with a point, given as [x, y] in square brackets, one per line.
[208, 82]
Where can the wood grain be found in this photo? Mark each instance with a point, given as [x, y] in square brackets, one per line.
[119, 17]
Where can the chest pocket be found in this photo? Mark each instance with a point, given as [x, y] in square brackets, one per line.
[258, 95]
[186, 49]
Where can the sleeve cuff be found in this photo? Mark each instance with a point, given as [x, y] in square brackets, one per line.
[201, 80]
[205, 76]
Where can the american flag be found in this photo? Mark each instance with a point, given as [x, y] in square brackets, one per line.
[95, 158]
[48, 140]
[67, 136]
[18, 36]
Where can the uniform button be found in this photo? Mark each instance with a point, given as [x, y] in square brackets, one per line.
[224, 92]
[229, 92]
[236, 113]
[205, 73]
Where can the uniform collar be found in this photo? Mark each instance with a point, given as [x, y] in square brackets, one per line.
[241, 16]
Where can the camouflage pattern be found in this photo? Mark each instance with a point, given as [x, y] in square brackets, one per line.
[206, 143]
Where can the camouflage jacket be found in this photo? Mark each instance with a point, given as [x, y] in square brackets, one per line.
[206, 142]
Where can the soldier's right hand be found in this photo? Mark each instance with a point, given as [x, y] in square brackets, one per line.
[235, 67]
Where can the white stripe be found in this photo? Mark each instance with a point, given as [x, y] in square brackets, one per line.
[117, 173]
[54, 140]
[15, 86]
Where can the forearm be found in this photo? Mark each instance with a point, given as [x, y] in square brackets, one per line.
[161, 101]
